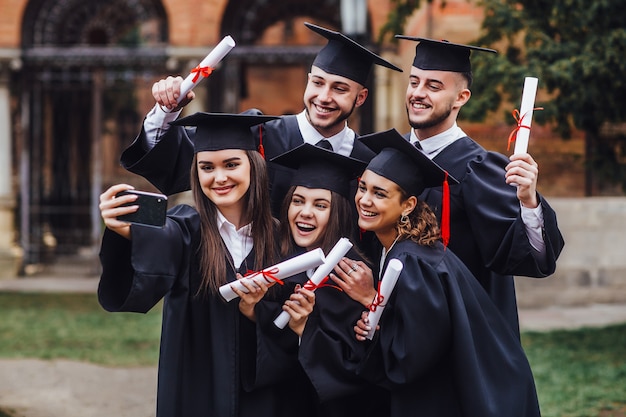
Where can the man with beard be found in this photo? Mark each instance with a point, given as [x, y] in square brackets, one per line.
[496, 228]
[335, 87]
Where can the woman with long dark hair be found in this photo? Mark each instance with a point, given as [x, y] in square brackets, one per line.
[228, 233]
[316, 213]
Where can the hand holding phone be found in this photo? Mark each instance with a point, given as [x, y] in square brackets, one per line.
[152, 208]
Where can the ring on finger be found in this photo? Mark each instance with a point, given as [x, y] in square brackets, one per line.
[355, 267]
[350, 271]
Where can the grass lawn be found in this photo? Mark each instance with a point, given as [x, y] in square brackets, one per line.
[74, 326]
[579, 373]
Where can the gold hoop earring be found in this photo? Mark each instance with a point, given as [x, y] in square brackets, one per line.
[404, 220]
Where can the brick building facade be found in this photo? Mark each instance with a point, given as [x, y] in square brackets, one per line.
[75, 78]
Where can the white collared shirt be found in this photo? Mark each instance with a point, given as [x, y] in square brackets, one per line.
[157, 122]
[435, 144]
[532, 218]
[238, 242]
[342, 142]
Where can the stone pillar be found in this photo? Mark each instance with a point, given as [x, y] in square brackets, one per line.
[9, 252]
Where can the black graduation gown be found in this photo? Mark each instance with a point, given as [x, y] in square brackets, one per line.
[443, 349]
[166, 165]
[201, 335]
[321, 365]
[486, 228]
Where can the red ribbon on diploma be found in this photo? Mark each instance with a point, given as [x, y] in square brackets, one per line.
[269, 275]
[519, 126]
[201, 71]
[309, 285]
[378, 300]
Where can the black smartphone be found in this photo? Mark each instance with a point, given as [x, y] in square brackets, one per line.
[152, 208]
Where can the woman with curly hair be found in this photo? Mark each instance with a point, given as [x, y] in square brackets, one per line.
[442, 347]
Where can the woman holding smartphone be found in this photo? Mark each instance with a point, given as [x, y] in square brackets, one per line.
[228, 233]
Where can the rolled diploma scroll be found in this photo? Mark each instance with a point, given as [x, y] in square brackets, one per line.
[286, 269]
[212, 59]
[340, 249]
[526, 114]
[388, 282]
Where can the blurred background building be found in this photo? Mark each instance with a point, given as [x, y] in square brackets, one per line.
[75, 79]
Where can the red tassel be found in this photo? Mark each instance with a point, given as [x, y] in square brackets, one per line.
[445, 212]
[261, 148]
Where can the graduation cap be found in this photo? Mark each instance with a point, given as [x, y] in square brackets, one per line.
[218, 131]
[431, 54]
[343, 56]
[401, 162]
[317, 167]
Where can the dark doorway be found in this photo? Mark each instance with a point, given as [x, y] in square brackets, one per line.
[83, 63]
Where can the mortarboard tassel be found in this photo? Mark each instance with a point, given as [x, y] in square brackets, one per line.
[445, 212]
[261, 148]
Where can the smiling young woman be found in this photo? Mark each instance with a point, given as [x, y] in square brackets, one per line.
[230, 231]
[316, 213]
[442, 347]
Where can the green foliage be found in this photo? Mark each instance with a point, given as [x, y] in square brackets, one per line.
[573, 47]
[401, 10]
[74, 326]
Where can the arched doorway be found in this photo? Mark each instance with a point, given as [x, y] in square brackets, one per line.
[82, 63]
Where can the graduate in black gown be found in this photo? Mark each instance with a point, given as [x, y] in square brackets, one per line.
[316, 213]
[335, 88]
[442, 347]
[228, 233]
[496, 229]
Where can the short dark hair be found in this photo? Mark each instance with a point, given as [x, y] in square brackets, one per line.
[469, 77]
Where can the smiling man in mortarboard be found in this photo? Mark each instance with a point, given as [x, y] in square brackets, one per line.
[497, 230]
[335, 88]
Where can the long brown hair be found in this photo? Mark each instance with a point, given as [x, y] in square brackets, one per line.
[340, 223]
[212, 251]
[420, 225]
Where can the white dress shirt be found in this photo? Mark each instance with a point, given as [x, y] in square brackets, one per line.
[238, 242]
[342, 142]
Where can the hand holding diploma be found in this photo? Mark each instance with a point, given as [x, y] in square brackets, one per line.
[207, 65]
[204, 69]
[286, 269]
[522, 171]
[340, 249]
[524, 117]
[385, 287]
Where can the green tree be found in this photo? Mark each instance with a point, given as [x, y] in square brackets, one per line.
[576, 48]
